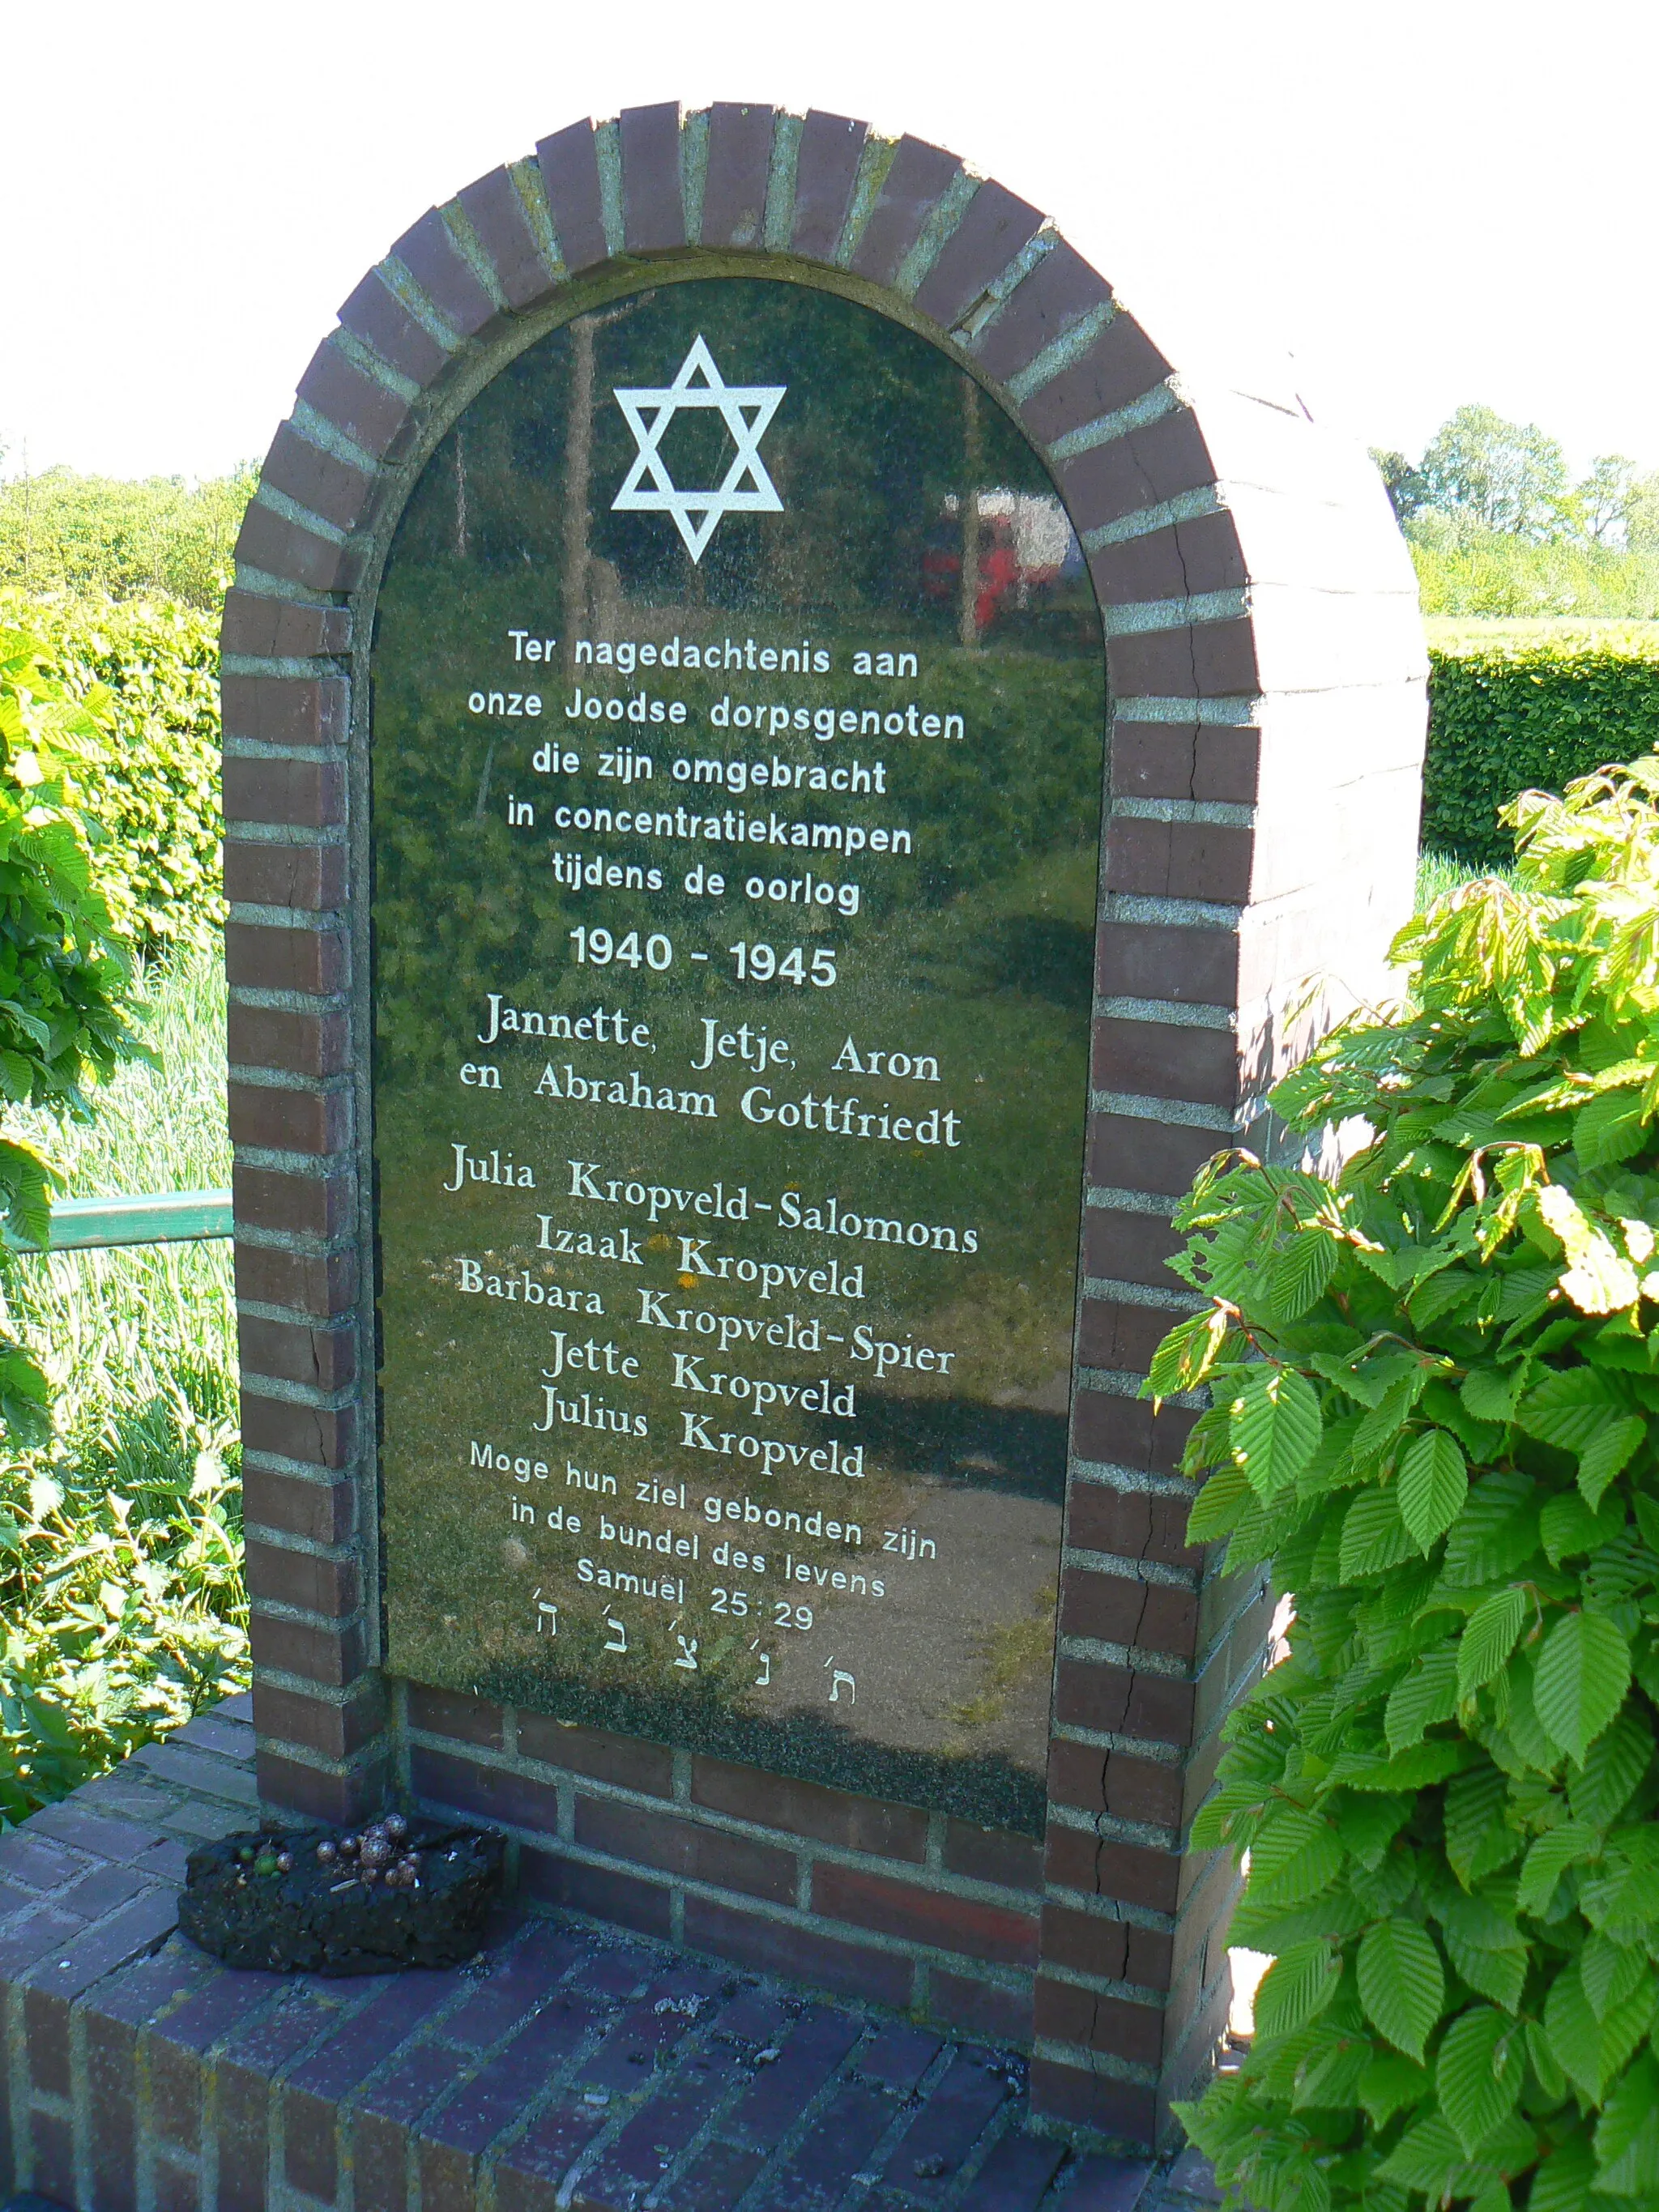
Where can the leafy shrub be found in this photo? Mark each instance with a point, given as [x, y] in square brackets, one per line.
[1515, 714]
[63, 533]
[1436, 1411]
[154, 783]
[63, 970]
[1466, 571]
[121, 1597]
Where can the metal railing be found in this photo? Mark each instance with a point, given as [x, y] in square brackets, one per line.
[179, 1217]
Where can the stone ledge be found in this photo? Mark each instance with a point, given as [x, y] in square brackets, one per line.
[571, 2061]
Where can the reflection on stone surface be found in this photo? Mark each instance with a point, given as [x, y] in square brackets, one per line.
[733, 925]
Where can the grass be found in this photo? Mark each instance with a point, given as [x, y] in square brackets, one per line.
[121, 1595]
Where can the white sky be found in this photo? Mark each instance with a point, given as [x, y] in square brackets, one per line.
[1427, 201]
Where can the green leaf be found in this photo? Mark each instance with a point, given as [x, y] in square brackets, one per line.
[1477, 2074]
[1583, 1674]
[1293, 1855]
[1390, 1414]
[1627, 2134]
[1402, 1984]
[1275, 1427]
[1548, 1859]
[1296, 1988]
[1563, 2181]
[1567, 1409]
[1427, 1694]
[1374, 1537]
[1614, 1766]
[1489, 1393]
[1610, 1973]
[1494, 1628]
[1499, 1975]
[1218, 1504]
[1389, 2084]
[1591, 2053]
[1432, 1483]
[1608, 1130]
[1302, 1272]
[1428, 2156]
[1568, 1527]
[1473, 1815]
[1607, 1455]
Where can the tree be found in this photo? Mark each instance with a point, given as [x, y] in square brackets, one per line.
[1507, 476]
[1600, 505]
[1404, 482]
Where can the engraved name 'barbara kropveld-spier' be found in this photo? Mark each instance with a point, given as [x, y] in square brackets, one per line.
[747, 489]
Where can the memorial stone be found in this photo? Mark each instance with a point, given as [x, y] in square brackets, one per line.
[783, 770]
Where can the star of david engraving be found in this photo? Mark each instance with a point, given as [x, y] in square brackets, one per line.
[747, 489]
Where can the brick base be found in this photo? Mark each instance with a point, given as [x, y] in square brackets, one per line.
[571, 2062]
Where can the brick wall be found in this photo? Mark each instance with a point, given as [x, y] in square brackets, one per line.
[1267, 671]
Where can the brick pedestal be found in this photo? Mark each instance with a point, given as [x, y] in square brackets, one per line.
[570, 2065]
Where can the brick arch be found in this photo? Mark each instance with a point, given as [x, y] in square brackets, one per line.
[1265, 672]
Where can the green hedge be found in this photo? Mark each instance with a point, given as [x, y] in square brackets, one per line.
[1518, 712]
[154, 787]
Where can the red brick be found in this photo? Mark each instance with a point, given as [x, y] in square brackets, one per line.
[468, 1720]
[1117, 1609]
[806, 1808]
[46, 2035]
[1120, 1245]
[1058, 292]
[271, 543]
[924, 1915]
[313, 1283]
[775, 1947]
[946, 2128]
[315, 479]
[635, 2162]
[334, 1731]
[112, 2113]
[1116, 1700]
[820, 2170]
[1123, 1337]
[31, 1860]
[1118, 364]
[304, 794]
[1141, 469]
[1131, 1874]
[283, 629]
[739, 166]
[1126, 1432]
[1070, 2015]
[176, 2188]
[274, 959]
[271, 873]
[980, 2009]
[318, 1795]
[1127, 1152]
[917, 178]
[810, 2052]
[1115, 1782]
[993, 1854]
[1067, 2094]
[1109, 2185]
[286, 711]
[677, 1845]
[1153, 960]
[53, 2143]
[1202, 660]
[283, 1120]
[301, 1579]
[1165, 1059]
[364, 2041]
[295, 1352]
[654, 218]
[495, 210]
[1206, 861]
[291, 1430]
[324, 1207]
[570, 176]
[628, 1761]
[601, 1891]
[1016, 2176]
[438, 266]
[374, 314]
[299, 1044]
[826, 169]
[1186, 760]
[369, 414]
[1200, 555]
[330, 1655]
[992, 231]
[492, 1792]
